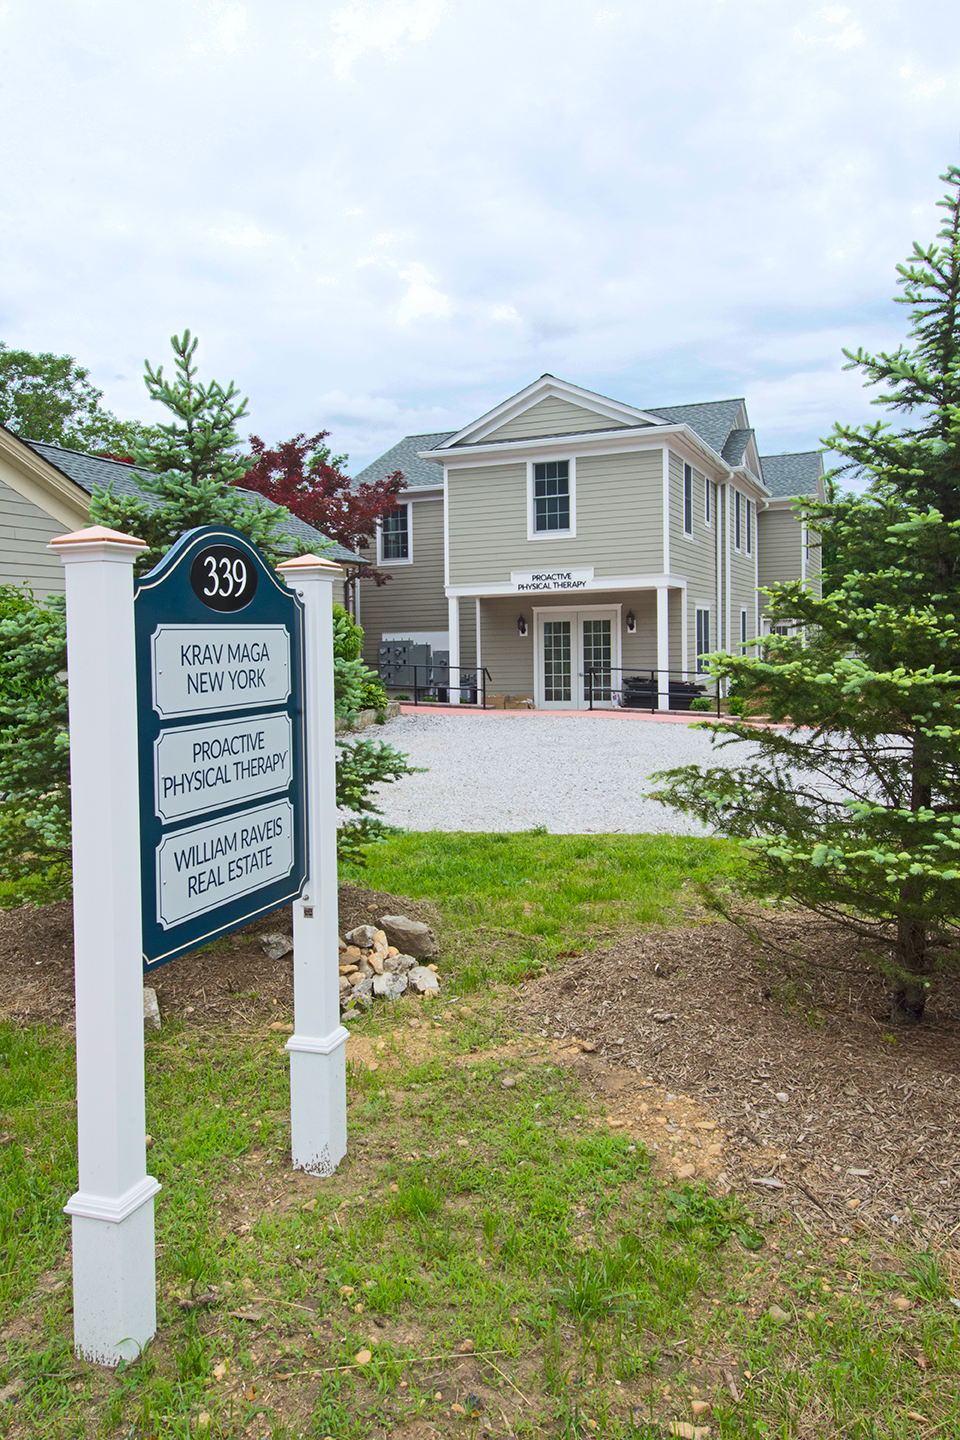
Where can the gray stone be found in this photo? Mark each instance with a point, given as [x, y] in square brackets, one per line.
[411, 937]
[391, 987]
[274, 945]
[151, 1010]
[363, 936]
[423, 980]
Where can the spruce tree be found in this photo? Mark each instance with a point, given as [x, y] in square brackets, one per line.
[853, 809]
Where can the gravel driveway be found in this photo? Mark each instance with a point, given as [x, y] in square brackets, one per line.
[574, 774]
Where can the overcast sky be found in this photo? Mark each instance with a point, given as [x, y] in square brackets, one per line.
[388, 217]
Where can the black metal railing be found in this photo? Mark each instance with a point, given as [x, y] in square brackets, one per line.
[643, 689]
[437, 683]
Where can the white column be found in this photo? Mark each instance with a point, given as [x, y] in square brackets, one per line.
[114, 1272]
[663, 647]
[684, 635]
[453, 612]
[318, 1074]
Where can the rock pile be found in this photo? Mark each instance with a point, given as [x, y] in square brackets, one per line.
[384, 961]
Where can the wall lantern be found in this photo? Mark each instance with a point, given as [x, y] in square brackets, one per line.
[522, 625]
[631, 622]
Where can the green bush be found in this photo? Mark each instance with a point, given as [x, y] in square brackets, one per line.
[736, 706]
[701, 702]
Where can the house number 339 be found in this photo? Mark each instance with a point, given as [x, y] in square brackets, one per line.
[223, 578]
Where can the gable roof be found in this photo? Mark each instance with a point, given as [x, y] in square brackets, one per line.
[89, 471]
[712, 420]
[792, 474]
[404, 456]
[609, 413]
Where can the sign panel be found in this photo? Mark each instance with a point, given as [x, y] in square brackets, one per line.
[221, 734]
[200, 767]
[551, 579]
[199, 668]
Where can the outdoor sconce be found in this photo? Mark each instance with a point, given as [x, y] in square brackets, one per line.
[631, 623]
[522, 625]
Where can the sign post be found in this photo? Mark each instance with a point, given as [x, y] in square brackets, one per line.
[318, 1081]
[114, 1276]
[201, 699]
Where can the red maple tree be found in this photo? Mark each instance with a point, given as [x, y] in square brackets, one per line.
[304, 476]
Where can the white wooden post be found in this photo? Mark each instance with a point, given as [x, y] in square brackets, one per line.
[114, 1272]
[663, 647]
[318, 1075]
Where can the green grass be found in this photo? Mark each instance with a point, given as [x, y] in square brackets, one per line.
[534, 895]
[600, 1297]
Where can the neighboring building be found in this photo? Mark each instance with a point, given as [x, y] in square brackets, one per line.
[563, 531]
[45, 491]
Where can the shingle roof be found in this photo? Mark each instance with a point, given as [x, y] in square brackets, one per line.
[712, 420]
[90, 470]
[792, 474]
[735, 446]
[417, 473]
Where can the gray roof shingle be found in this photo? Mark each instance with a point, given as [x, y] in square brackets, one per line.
[712, 420]
[792, 474]
[735, 446]
[90, 470]
[417, 473]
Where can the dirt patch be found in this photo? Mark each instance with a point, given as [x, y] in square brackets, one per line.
[818, 1104]
[231, 981]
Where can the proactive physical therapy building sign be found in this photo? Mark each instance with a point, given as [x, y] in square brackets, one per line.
[220, 661]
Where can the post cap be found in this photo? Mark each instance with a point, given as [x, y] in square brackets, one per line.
[310, 562]
[96, 535]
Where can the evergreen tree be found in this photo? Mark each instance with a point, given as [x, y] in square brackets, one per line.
[853, 810]
[193, 465]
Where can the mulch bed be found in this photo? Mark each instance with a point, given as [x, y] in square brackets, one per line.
[866, 1136]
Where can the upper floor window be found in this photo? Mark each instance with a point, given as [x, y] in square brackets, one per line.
[737, 520]
[749, 530]
[687, 500]
[551, 496]
[707, 509]
[394, 535]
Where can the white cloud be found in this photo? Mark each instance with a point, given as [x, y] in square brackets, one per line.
[845, 38]
[248, 237]
[422, 296]
[504, 312]
[360, 27]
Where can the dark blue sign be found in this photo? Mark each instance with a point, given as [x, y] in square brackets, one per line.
[220, 713]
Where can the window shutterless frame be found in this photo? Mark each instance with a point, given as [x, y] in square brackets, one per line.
[687, 500]
[395, 536]
[703, 637]
[551, 498]
[749, 530]
[707, 510]
[737, 521]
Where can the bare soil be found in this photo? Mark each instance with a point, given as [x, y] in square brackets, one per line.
[771, 1069]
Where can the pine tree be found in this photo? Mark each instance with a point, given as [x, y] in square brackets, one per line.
[853, 810]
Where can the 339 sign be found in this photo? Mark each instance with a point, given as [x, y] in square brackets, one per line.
[223, 578]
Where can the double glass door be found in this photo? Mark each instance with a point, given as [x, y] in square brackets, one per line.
[577, 653]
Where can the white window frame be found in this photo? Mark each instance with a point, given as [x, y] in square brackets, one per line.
[534, 534]
[381, 560]
[749, 536]
[709, 501]
[737, 522]
[687, 501]
[744, 622]
[701, 610]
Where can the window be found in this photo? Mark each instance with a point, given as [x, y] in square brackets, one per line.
[703, 638]
[395, 534]
[736, 520]
[707, 487]
[687, 500]
[551, 496]
[749, 535]
[743, 631]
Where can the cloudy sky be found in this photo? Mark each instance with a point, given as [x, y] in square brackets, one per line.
[387, 217]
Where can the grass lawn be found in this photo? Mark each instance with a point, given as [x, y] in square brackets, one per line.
[492, 1259]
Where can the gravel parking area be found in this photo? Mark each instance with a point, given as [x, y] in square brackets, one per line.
[574, 774]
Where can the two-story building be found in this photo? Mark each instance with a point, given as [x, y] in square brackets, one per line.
[564, 536]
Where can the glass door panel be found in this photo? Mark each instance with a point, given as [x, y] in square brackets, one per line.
[597, 658]
[557, 662]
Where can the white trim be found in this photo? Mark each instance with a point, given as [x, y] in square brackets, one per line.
[666, 510]
[560, 612]
[113, 1209]
[479, 636]
[408, 559]
[453, 624]
[322, 1045]
[702, 608]
[446, 530]
[709, 502]
[684, 635]
[571, 533]
[728, 602]
[663, 647]
[687, 534]
[549, 387]
[584, 442]
[600, 585]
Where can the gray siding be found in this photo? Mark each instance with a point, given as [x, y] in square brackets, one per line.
[618, 517]
[780, 538]
[25, 532]
[553, 417]
[414, 598]
[694, 557]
